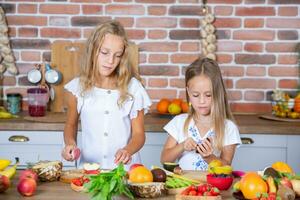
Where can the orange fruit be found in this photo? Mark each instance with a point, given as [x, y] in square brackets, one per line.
[174, 109]
[162, 106]
[140, 175]
[282, 167]
[251, 184]
[176, 101]
[184, 106]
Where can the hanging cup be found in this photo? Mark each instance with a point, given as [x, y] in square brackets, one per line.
[52, 76]
[34, 76]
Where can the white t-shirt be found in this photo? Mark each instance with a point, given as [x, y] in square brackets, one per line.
[106, 127]
[190, 160]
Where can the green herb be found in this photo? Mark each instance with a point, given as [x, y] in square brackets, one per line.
[106, 185]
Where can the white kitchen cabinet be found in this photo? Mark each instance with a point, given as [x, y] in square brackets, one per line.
[260, 151]
[32, 146]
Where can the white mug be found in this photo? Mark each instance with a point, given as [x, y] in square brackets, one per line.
[34, 76]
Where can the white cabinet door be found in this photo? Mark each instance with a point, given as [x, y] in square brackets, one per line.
[261, 152]
[150, 153]
[36, 146]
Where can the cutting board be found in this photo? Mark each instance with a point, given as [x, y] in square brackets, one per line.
[65, 57]
[195, 175]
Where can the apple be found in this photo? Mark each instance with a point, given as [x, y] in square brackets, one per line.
[28, 173]
[27, 187]
[285, 181]
[134, 166]
[4, 183]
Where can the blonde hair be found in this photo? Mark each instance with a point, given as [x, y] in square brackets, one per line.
[89, 69]
[220, 110]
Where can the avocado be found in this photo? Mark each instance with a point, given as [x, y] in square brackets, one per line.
[159, 175]
[170, 166]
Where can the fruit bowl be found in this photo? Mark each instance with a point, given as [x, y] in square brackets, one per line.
[147, 190]
[222, 183]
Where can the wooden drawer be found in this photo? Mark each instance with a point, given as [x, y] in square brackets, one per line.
[34, 146]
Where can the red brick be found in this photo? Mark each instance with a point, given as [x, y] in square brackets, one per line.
[254, 23]
[287, 59]
[234, 95]
[184, 34]
[22, 91]
[255, 1]
[61, 33]
[288, 11]
[288, 83]
[8, 8]
[177, 83]
[30, 55]
[136, 34]
[254, 95]
[253, 47]
[229, 46]
[125, 21]
[183, 58]
[256, 71]
[157, 82]
[189, 23]
[224, 58]
[155, 1]
[188, 1]
[288, 35]
[159, 46]
[24, 68]
[12, 32]
[157, 34]
[124, 9]
[223, 10]
[254, 35]
[254, 11]
[23, 81]
[226, 2]
[223, 34]
[163, 22]
[59, 9]
[256, 83]
[284, 2]
[284, 71]
[89, 20]
[59, 21]
[87, 32]
[158, 94]
[30, 44]
[232, 71]
[27, 8]
[190, 46]
[251, 107]
[185, 10]
[283, 23]
[227, 23]
[91, 1]
[182, 95]
[8, 81]
[157, 10]
[280, 47]
[159, 70]
[122, 0]
[28, 32]
[142, 58]
[228, 83]
[158, 58]
[254, 59]
[27, 20]
[92, 9]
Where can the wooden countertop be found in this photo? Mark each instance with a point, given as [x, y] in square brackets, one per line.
[62, 191]
[248, 124]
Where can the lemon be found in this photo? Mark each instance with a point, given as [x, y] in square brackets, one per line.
[174, 109]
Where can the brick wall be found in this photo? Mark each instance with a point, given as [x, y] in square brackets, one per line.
[256, 41]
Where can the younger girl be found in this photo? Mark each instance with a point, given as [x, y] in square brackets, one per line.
[207, 132]
[110, 101]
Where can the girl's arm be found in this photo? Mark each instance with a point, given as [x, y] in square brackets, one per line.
[71, 125]
[172, 150]
[136, 141]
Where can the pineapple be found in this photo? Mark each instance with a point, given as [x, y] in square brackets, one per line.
[48, 170]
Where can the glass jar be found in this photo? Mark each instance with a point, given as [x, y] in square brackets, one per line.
[14, 103]
[37, 101]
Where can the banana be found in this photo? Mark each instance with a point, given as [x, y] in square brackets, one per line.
[7, 115]
[4, 163]
[2, 109]
[10, 172]
[226, 169]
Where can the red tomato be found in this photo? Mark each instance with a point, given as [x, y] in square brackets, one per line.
[193, 193]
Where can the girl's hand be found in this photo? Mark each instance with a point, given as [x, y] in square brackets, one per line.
[123, 156]
[206, 148]
[67, 152]
[189, 144]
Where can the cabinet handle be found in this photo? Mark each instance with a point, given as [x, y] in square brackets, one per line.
[18, 138]
[246, 140]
